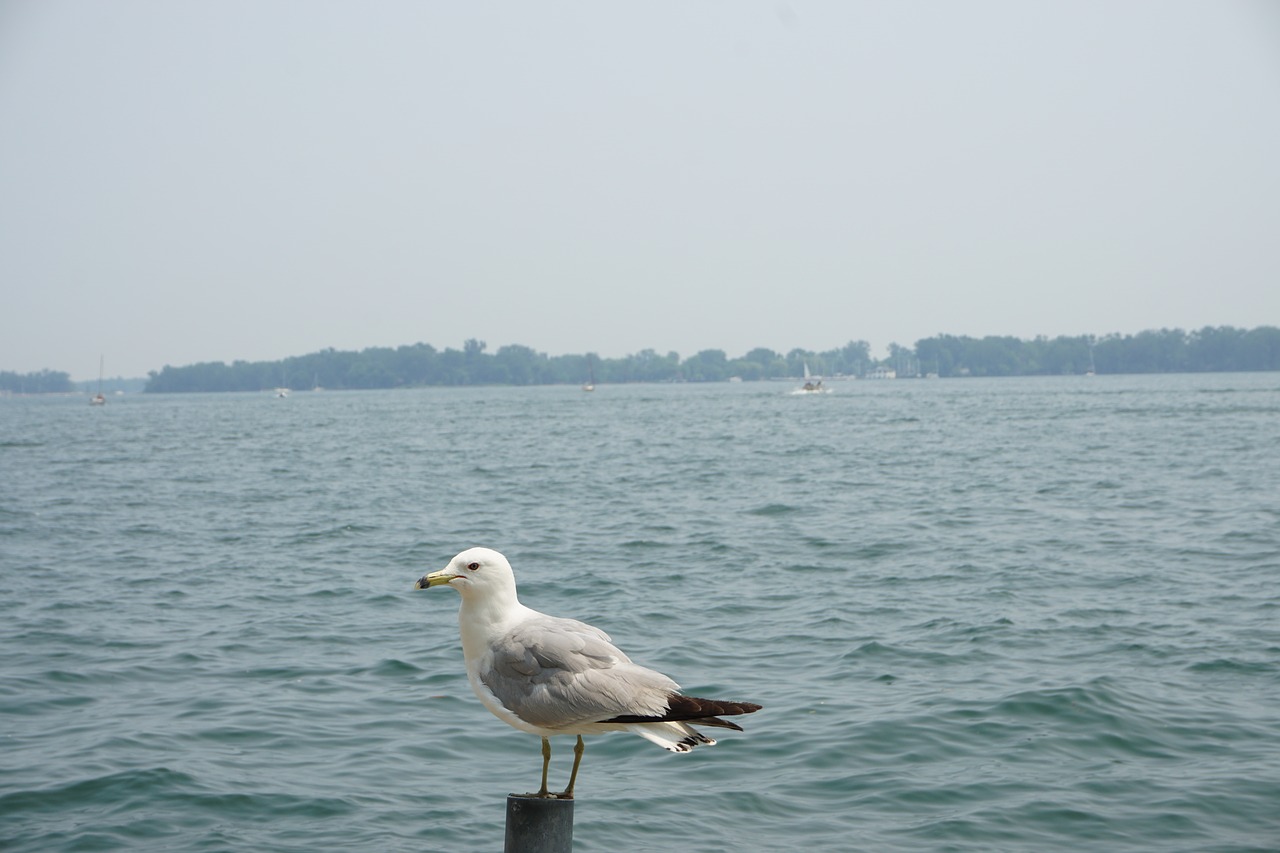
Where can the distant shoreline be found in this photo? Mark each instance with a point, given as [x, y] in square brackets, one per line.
[1223, 349]
[1211, 349]
[81, 394]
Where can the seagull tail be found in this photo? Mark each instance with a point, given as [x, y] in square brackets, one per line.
[674, 729]
[691, 709]
[717, 722]
[676, 737]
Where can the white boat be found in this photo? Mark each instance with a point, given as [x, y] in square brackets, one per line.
[98, 399]
[812, 384]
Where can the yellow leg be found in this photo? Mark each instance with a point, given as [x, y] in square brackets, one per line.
[573, 776]
[546, 761]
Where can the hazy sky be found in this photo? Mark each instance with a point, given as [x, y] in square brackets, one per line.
[196, 181]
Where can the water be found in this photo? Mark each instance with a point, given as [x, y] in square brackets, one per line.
[981, 614]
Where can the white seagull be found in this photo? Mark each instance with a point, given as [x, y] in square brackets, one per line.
[550, 676]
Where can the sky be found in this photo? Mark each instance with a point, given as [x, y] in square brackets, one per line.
[214, 181]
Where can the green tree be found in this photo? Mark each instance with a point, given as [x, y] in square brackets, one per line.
[710, 365]
[39, 382]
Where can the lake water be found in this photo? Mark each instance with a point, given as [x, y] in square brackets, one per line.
[1016, 614]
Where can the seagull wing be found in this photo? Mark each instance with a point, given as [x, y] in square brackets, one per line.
[557, 673]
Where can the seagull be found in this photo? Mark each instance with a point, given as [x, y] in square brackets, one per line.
[551, 676]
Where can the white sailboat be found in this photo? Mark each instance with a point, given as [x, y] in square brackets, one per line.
[98, 399]
[812, 384]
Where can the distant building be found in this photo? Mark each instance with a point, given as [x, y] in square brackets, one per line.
[882, 372]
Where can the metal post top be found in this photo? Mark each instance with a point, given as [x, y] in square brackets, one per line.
[533, 798]
[538, 825]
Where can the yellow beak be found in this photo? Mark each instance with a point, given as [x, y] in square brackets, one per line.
[439, 578]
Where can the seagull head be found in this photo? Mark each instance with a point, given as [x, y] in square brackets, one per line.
[479, 572]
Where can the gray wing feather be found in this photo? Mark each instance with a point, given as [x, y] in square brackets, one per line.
[559, 672]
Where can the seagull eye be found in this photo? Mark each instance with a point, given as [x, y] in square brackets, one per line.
[473, 566]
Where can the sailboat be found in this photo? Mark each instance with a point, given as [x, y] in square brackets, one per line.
[811, 384]
[98, 399]
[590, 384]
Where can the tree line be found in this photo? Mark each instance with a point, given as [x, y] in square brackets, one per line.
[41, 382]
[1211, 349]
[1167, 350]
[422, 364]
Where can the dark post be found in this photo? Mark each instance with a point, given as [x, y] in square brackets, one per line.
[538, 825]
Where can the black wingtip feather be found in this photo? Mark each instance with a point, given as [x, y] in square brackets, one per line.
[691, 709]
